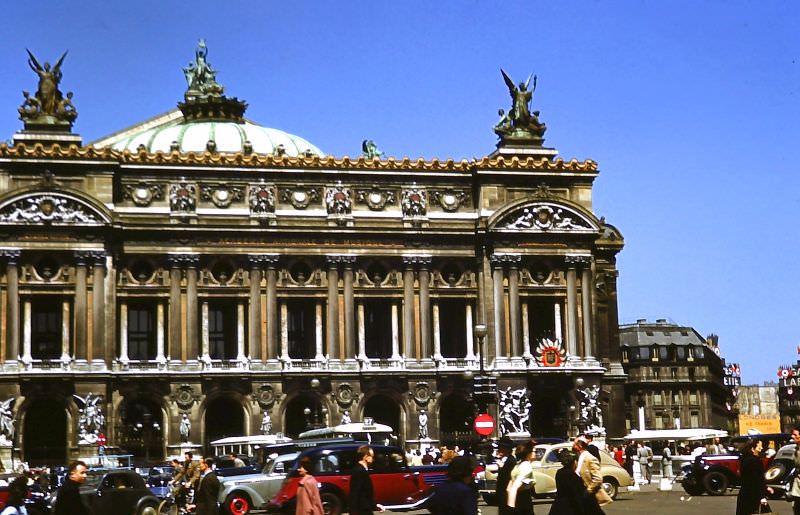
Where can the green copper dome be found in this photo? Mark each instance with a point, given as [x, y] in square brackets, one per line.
[175, 133]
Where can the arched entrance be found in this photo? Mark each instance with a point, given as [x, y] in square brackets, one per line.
[456, 415]
[383, 410]
[224, 417]
[142, 427]
[45, 433]
[304, 412]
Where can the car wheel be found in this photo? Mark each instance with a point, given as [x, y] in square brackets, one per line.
[238, 504]
[776, 471]
[148, 509]
[715, 483]
[611, 487]
[690, 485]
[331, 504]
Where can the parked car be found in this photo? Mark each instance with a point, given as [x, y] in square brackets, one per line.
[396, 485]
[546, 465]
[240, 494]
[714, 474]
[118, 492]
[781, 469]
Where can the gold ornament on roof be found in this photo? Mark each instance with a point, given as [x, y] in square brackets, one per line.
[48, 106]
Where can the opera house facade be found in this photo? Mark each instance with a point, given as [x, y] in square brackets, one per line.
[199, 266]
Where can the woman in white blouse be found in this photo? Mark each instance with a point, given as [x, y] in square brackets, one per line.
[521, 486]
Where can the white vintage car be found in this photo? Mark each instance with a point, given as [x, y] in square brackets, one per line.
[544, 471]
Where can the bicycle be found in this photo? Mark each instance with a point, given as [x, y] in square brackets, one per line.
[176, 501]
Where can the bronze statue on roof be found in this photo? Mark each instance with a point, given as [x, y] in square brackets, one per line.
[520, 125]
[48, 106]
[200, 76]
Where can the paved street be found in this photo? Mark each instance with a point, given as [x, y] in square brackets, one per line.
[649, 501]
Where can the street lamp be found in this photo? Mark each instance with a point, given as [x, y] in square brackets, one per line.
[145, 429]
[484, 386]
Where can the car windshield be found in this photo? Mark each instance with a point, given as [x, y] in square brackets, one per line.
[274, 463]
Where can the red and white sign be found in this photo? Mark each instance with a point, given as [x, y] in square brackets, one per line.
[484, 424]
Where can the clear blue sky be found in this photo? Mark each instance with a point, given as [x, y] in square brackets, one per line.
[691, 109]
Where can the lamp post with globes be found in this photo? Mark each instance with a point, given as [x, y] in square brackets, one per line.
[484, 386]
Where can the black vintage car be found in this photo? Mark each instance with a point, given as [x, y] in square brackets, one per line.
[118, 492]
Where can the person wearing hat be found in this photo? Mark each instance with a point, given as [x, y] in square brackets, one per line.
[456, 496]
[505, 448]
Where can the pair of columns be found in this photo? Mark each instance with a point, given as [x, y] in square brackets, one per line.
[509, 265]
[100, 348]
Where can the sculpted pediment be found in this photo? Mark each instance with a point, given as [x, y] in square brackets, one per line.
[50, 208]
[546, 216]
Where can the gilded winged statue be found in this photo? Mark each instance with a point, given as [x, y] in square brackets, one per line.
[48, 105]
[520, 123]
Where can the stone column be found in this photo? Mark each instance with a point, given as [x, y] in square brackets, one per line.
[12, 306]
[558, 322]
[205, 340]
[160, 351]
[409, 331]
[285, 333]
[586, 298]
[395, 333]
[192, 326]
[437, 337]
[81, 343]
[572, 312]
[526, 333]
[425, 307]
[123, 334]
[99, 345]
[362, 337]
[26, 334]
[470, 350]
[319, 339]
[272, 308]
[349, 307]
[175, 352]
[241, 357]
[66, 329]
[254, 308]
[513, 304]
[333, 308]
[499, 306]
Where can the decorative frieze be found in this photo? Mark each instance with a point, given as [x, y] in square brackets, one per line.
[300, 196]
[338, 203]
[547, 216]
[376, 198]
[48, 209]
[262, 201]
[182, 198]
[450, 199]
[414, 202]
[221, 195]
[143, 193]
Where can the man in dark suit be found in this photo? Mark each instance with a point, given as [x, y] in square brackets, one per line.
[362, 497]
[505, 449]
[205, 497]
[68, 500]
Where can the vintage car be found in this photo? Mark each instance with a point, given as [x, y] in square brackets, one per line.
[397, 486]
[547, 464]
[239, 494]
[714, 474]
[118, 492]
[781, 470]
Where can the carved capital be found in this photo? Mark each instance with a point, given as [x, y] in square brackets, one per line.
[263, 260]
[417, 261]
[11, 255]
[505, 260]
[184, 260]
[340, 259]
[577, 260]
